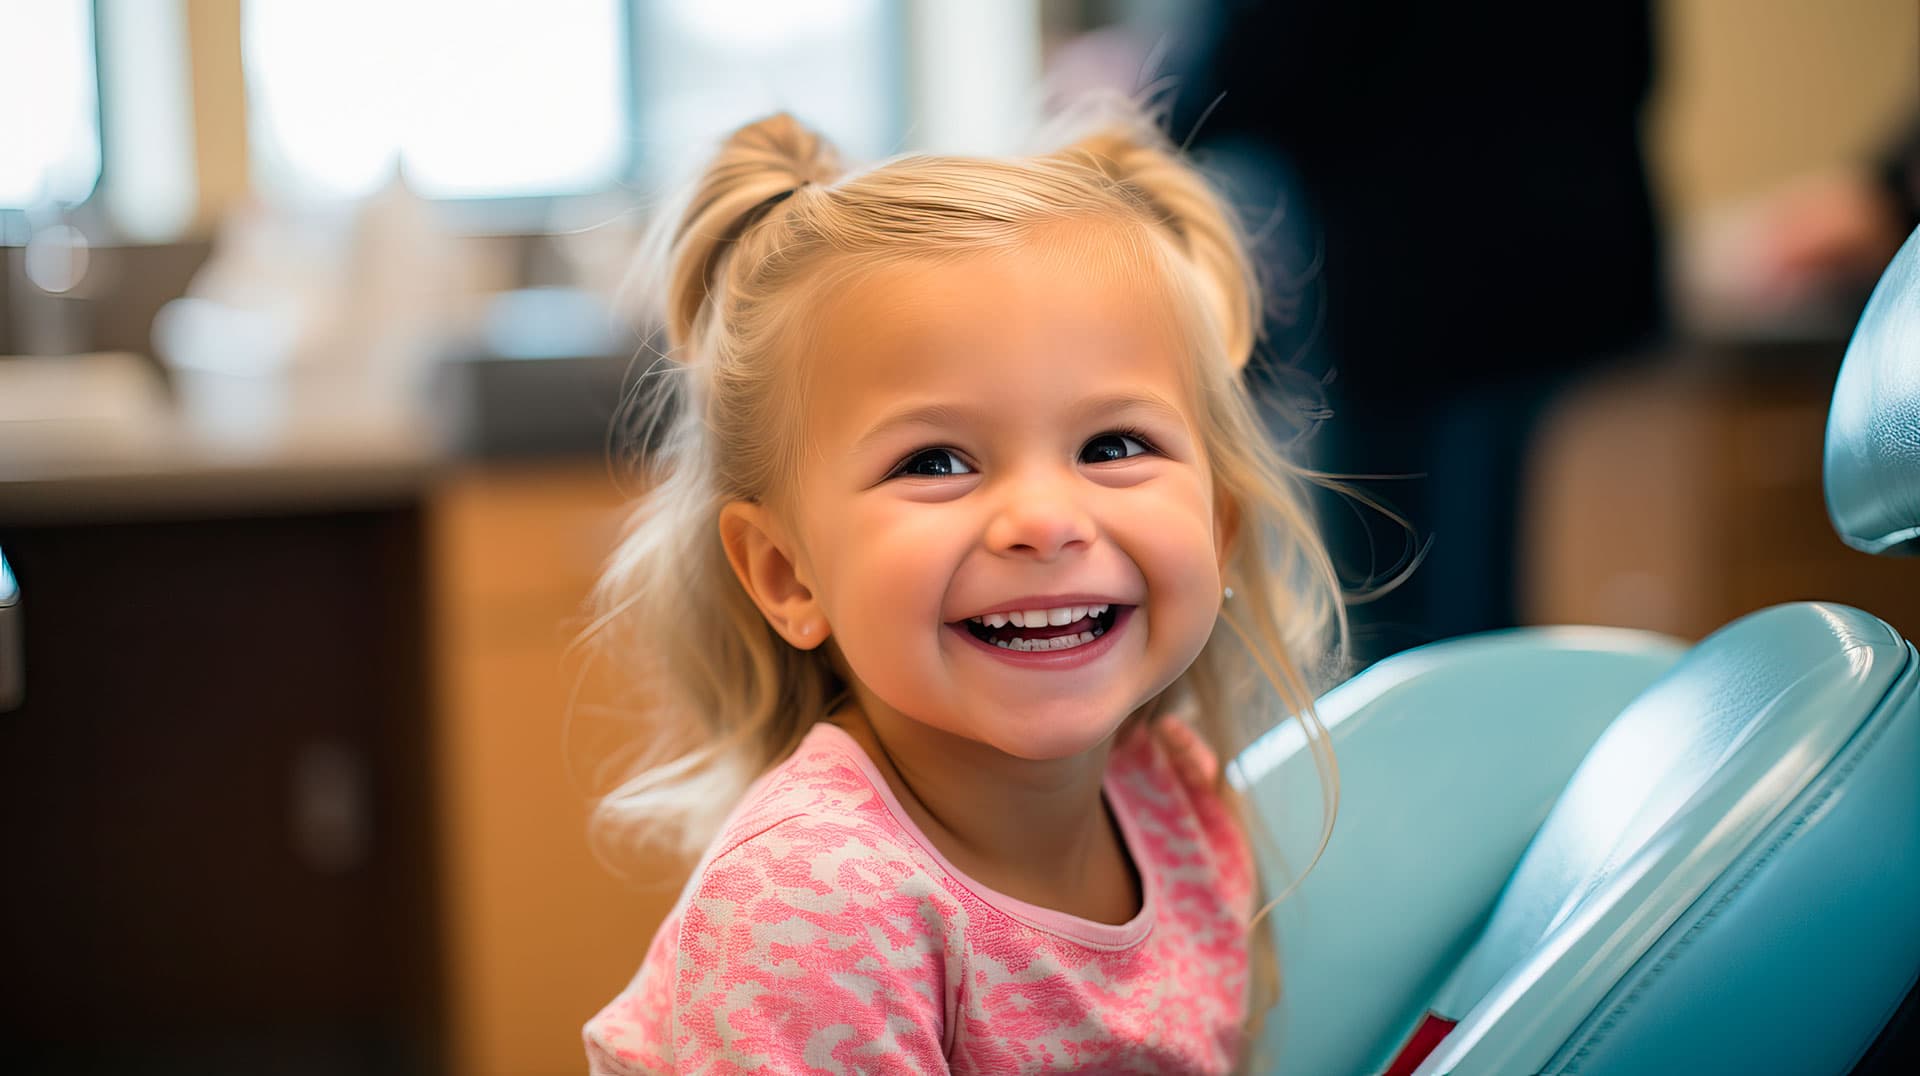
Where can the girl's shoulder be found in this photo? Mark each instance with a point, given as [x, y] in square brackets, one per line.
[807, 912]
[1173, 788]
[815, 811]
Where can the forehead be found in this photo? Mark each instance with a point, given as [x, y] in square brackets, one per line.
[1027, 330]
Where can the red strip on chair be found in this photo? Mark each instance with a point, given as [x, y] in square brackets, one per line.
[1433, 1027]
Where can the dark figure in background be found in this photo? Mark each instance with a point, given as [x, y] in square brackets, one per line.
[1452, 205]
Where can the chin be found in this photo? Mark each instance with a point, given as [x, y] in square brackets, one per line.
[1045, 737]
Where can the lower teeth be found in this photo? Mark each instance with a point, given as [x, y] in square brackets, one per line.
[1027, 645]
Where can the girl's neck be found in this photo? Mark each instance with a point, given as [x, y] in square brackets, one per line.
[1037, 831]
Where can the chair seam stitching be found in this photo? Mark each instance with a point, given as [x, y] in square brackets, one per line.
[1622, 1008]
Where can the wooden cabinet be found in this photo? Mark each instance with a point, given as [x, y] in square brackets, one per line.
[538, 933]
[1681, 498]
[313, 785]
[216, 791]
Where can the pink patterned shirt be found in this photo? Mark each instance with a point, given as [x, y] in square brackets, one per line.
[825, 933]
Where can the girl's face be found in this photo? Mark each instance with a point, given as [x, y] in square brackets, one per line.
[1004, 434]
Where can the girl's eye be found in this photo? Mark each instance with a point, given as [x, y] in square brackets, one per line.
[1109, 447]
[932, 463]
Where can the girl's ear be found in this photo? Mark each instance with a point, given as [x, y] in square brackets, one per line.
[762, 557]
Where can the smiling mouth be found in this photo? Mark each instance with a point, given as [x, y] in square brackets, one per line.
[1047, 636]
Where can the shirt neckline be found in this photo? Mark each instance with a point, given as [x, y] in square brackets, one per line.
[1074, 928]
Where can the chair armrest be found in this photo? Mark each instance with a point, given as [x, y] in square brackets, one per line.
[1450, 756]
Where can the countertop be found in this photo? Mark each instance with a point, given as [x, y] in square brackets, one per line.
[100, 439]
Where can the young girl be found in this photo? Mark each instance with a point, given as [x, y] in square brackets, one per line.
[956, 495]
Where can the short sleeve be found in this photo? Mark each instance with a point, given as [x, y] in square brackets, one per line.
[807, 949]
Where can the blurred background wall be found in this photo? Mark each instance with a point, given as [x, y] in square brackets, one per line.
[1754, 95]
[313, 334]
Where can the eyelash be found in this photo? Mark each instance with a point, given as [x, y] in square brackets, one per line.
[1132, 432]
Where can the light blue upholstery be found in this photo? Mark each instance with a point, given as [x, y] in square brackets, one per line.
[1873, 432]
[1677, 908]
[1450, 756]
[1728, 879]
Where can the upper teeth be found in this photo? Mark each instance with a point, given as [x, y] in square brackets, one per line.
[1034, 618]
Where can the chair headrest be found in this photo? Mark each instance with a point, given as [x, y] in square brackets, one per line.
[1873, 431]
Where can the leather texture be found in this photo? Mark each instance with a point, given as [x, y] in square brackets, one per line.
[1703, 837]
[1872, 469]
[1450, 756]
[1803, 949]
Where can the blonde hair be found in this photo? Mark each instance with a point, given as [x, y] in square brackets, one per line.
[726, 696]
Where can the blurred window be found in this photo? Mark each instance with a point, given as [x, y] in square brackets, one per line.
[49, 104]
[505, 99]
[707, 66]
[471, 99]
[150, 183]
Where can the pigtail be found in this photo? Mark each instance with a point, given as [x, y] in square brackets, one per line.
[757, 168]
[718, 694]
[1137, 158]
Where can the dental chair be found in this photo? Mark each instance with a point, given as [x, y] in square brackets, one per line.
[1601, 851]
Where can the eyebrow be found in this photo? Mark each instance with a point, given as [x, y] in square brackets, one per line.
[940, 414]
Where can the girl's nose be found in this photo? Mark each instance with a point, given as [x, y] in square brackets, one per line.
[1039, 517]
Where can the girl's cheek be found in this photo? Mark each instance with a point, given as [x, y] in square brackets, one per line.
[899, 553]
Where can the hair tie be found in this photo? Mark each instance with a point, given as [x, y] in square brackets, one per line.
[733, 234]
[765, 206]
